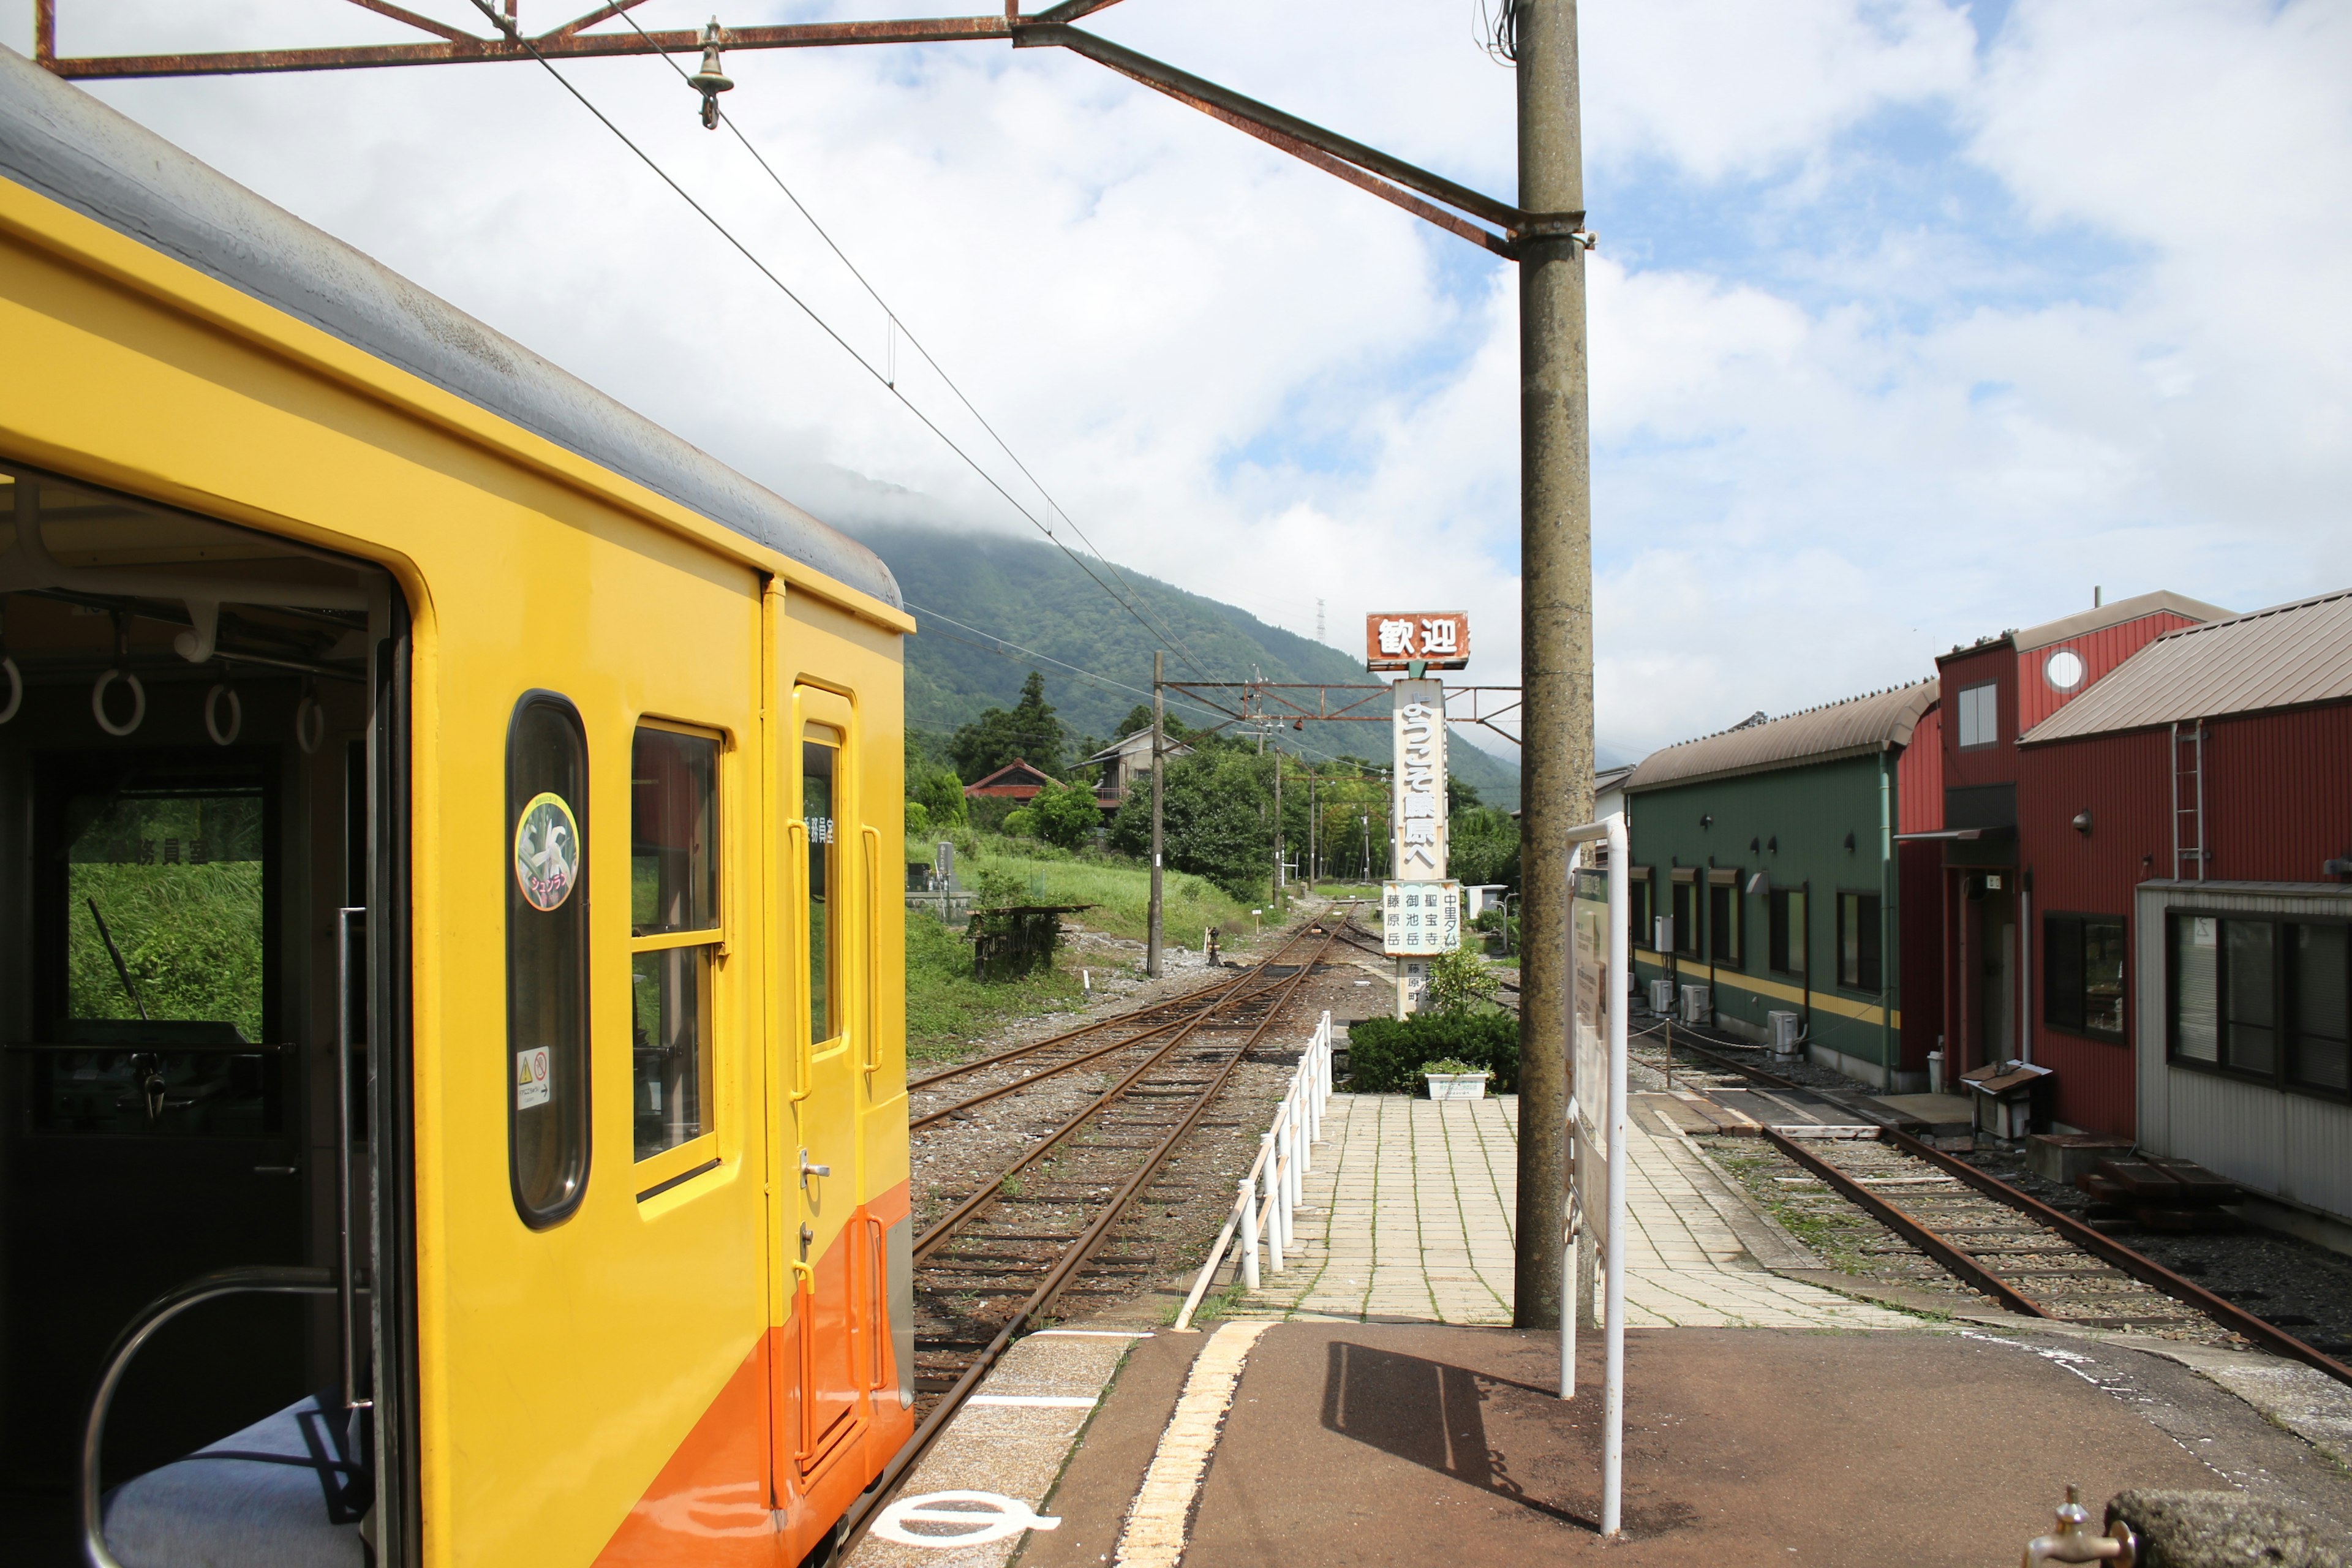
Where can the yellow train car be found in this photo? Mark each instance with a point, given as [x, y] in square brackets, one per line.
[452, 1100]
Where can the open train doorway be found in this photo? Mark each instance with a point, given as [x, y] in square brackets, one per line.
[203, 1035]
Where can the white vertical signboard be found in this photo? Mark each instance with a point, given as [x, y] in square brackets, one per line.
[1420, 908]
[1419, 736]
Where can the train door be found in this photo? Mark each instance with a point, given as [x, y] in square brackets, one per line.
[197, 724]
[828, 1257]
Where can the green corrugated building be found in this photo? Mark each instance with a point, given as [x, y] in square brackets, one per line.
[1772, 849]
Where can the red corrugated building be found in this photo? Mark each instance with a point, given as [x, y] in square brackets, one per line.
[2184, 836]
[1992, 692]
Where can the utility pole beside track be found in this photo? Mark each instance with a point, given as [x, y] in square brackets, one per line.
[1158, 746]
[1555, 628]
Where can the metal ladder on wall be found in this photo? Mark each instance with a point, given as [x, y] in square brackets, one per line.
[2188, 800]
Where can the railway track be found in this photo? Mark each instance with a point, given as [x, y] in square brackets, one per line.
[2034, 1259]
[1055, 1222]
[1010, 1071]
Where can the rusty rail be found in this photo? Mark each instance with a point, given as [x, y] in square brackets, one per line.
[1908, 1226]
[1073, 1258]
[2138, 1265]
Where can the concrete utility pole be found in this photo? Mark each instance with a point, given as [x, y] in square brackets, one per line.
[1556, 630]
[1277, 830]
[1159, 745]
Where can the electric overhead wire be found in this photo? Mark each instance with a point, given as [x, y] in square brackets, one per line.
[1103, 680]
[1134, 602]
[888, 385]
[1020, 654]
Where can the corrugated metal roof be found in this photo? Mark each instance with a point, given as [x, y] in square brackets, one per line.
[1852, 728]
[2116, 614]
[2280, 658]
[61, 142]
[2161, 602]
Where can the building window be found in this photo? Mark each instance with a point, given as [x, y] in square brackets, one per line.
[1785, 930]
[2263, 998]
[1686, 915]
[2083, 975]
[1723, 922]
[673, 931]
[1641, 904]
[1980, 714]
[547, 958]
[1858, 949]
[2319, 982]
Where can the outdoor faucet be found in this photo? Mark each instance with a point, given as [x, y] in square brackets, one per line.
[2073, 1542]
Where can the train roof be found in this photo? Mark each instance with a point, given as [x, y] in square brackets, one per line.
[60, 141]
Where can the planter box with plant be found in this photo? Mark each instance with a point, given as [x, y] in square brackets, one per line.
[1451, 1079]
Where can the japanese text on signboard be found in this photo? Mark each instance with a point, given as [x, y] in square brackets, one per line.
[1397, 639]
[1420, 757]
[1421, 918]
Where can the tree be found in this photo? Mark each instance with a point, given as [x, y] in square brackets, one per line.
[1067, 814]
[940, 794]
[1484, 847]
[1216, 816]
[1028, 733]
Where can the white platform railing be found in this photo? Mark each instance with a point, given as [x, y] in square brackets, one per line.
[1269, 1197]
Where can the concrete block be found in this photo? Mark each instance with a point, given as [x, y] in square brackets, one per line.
[2209, 1529]
[2060, 1157]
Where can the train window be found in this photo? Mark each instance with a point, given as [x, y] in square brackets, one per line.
[674, 931]
[163, 916]
[547, 957]
[820, 752]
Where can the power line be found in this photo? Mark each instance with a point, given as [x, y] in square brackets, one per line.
[1303, 749]
[1029, 653]
[1165, 633]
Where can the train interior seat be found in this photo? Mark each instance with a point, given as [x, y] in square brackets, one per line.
[184, 707]
[291, 1491]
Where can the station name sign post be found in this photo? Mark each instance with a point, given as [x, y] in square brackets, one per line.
[1421, 907]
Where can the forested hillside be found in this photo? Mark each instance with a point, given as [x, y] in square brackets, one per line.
[1031, 593]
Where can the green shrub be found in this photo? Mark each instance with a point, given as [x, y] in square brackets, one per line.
[918, 819]
[1461, 982]
[1385, 1056]
[1021, 823]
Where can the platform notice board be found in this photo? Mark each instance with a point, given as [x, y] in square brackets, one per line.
[1598, 954]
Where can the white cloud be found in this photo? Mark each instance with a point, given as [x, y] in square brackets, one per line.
[1856, 394]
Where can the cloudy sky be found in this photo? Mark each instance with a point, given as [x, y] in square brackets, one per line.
[1912, 320]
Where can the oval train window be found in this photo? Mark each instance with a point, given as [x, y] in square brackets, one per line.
[546, 1065]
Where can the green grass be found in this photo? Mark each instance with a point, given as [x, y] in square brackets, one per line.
[190, 935]
[946, 1007]
[1121, 889]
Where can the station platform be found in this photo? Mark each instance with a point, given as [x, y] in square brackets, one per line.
[1408, 1213]
[1369, 1404]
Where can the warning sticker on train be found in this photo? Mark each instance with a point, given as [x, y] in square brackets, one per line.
[547, 852]
[530, 1079]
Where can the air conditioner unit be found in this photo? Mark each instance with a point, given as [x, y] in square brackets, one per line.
[1662, 996]
[1698, 1004]
[1786, 1032]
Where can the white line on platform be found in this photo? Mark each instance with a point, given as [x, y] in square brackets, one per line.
[1036, 1401]
[1154, 1536]
[1094, 1334]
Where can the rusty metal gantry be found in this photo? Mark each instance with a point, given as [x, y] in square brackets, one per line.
[1495, 225]
[1295, 702]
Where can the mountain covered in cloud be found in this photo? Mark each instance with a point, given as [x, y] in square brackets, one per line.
[975, 592]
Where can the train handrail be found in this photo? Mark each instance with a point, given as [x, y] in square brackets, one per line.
[263, 1280]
